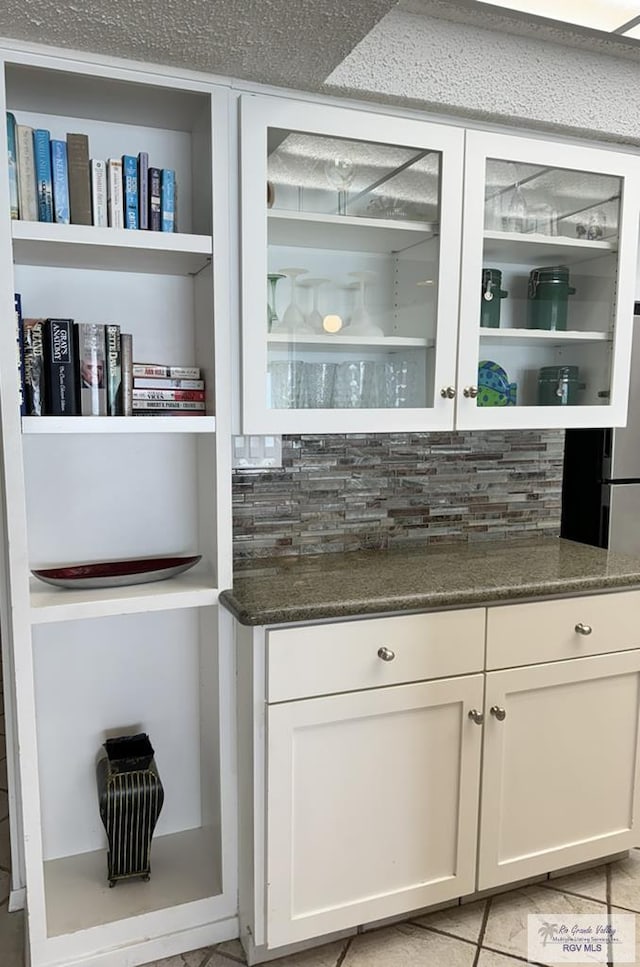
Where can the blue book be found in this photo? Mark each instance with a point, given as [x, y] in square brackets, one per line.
[42, 163]
[130, 190]
[13, 165]
[168, 218]
[60, 180]
[143, 190]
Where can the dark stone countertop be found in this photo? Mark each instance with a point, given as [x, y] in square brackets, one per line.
[284, 590]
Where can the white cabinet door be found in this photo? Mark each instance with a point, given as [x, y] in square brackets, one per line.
[350, 268]
[372, 805]
[559, 781]
[548, 281]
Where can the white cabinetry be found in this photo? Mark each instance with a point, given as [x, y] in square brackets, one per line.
[94, 663]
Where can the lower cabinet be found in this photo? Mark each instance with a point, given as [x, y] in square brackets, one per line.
[372, 805]
[560, 765]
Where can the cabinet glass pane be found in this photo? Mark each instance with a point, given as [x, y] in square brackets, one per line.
[546, 299]
[353, 244]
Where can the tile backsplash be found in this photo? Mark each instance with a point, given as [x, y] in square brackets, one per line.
[353, 492]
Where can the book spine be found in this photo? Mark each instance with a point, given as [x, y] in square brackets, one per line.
[175, 372]
[60, 180]
[126, 351]
[114, 193]
[181, 395]
[44, 185]
[167, 405]
[12, 160]
[99, 193]
[168, 220]
[91, 356]
[61, 359]
[143, 190]
[28, 199]
[17, 302]
[169, 413]
[157, 383]
[79, 179]
[34, 366]
[130, 190]
[114, 369]
[155, 199]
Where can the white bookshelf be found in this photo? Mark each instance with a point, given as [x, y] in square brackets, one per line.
[118, 424]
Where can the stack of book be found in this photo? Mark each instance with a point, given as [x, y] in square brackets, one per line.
[57, 181]
[160, 390]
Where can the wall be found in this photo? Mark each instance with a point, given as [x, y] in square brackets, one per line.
[341, 493]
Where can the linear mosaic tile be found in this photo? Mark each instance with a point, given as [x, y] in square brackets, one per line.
[353, 492]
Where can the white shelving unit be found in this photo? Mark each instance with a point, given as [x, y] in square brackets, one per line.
[512, 247]
[340, 341]
[89, 664]
[541, 337]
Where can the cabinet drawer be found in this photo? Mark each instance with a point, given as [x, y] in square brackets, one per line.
[343, 656]
[525, 634]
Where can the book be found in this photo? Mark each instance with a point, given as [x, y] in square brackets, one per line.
[169, 413]
[99, 193]
[17, 302]
[157, 383]
[12, 161]
[61, 358]
[126, 358]
[113, 369]
[180, 395]
[27, 197]
[33, 337]
[44, 183]
[168, 405]
[92, 369]
[143, 190]
[168, 217]
[155, 199]
[175, 372]
[79, 179]
[60, 182]
[130, 190]
[114, 193]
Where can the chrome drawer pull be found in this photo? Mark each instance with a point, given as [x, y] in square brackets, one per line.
[498, 712]
[386, 654]
[582, 629]
[476, 716]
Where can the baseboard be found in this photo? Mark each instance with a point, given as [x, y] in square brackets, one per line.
[17, 900]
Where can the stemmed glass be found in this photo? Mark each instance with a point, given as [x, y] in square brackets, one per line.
[293, 317]
[361, 322]
[315, 317]
[272, 312]
[340, 173]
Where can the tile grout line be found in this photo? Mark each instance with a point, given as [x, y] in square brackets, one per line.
[482, 931]
[343, 953]
[581, 896]
[440, 932]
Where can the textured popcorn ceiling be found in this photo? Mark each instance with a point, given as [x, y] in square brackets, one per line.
[294, 43]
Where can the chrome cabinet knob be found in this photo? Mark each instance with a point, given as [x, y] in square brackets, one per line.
[470, 392]
[498, 713]
[583, 629]
[476, 716]
[386, 654]
[448, 392]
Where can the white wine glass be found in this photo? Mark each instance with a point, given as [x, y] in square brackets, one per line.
[340, 173]
[293, 317]
[361, 322]
[315, 317]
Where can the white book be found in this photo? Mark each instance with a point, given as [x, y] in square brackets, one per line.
[27, 195]
[99, 193]
[114, 193]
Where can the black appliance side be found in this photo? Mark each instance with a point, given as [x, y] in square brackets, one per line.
[584, 513]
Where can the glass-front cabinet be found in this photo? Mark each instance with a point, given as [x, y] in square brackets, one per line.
[548, 281]
[351, 249]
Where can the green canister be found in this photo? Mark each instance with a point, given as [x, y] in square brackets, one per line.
[491, 295]
[548, 295]
[558, 385]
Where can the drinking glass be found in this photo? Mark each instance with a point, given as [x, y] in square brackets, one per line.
[516, 211]
[272, 313]
[356, 385]
[285, 380]
[400, 383]
[361, 322]
[315, 317]
[317, 385]
[293, 317]
[340, 173]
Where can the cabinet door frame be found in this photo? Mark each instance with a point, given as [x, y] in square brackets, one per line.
[499, 685]
[283, 719]
[479, 147]
[259, 113]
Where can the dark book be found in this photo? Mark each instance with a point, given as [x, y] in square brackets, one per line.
[44, 180]
[126, 357]
[79, 179]
[143, 190]
[92, 369]
[17, 302]
[33, 335]
[155, 199]
[61, 359]
[113, 359]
